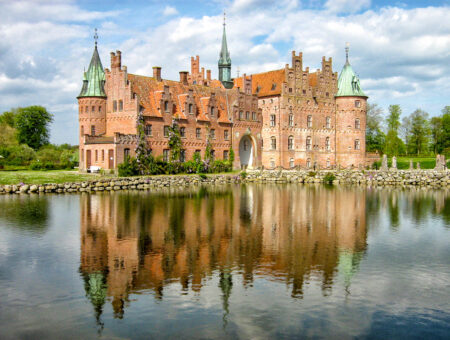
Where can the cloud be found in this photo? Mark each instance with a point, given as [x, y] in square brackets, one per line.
[169, 10]
[347, 6]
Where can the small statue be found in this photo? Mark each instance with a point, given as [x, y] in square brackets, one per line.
[411, 164]
[384, 163]
[394, 163]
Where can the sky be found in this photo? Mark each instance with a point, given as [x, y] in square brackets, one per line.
[399, 49]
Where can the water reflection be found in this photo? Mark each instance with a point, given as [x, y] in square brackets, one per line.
[133, 242]
[27, 213]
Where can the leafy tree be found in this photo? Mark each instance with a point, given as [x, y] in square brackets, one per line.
[436, 134]
[394, 145]
[418, 132]
[446, 128]
[375, 138]
[142, 152]
[175, 142]
[32, 124]
[8, 117]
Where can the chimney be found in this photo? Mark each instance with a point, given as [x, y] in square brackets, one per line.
[208, 75]
[195, 64]
[157, 73]
[183, 77]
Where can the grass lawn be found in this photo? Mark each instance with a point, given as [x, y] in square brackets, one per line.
[41, 177]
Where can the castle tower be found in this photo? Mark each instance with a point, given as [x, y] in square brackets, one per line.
[351, 109]
[225, 61]
[92, 101]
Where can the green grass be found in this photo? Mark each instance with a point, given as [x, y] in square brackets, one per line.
[42, 177]
[403, 162]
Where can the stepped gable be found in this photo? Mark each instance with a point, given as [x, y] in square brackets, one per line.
[150, 92]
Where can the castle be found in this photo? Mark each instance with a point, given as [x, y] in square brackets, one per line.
[284, 118]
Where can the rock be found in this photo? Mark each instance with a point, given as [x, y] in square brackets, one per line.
[33, 188]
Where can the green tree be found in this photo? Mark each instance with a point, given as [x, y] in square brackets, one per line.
[394, 145]
[375, 138]
[32, 124]
[446, 130]
[8, 117]
[436, 134]
[175, 142]
[418, 132]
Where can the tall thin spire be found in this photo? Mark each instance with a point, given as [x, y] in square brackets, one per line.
[95, 37]
[347, 48]
[225, 60]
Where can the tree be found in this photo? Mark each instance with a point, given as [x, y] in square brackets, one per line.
[32, 124]
[175, 142]
[375, 138]
[436, 134]
[7, 117]
[394, 145]
[418, 132]
[446, 128]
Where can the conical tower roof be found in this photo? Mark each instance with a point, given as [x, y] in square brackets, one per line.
[94, 78]
[348, 82]
[224, 59]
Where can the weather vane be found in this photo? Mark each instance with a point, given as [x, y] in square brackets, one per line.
[347, 47]
[95, 37]
[224, 16]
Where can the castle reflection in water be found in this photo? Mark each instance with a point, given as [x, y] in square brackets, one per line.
[135, 241]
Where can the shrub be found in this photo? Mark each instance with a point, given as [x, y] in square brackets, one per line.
[128, 168]
[243, 174]
[329, 178]
[311, 174]
[36, 165]
[221, 166]
[202, 176]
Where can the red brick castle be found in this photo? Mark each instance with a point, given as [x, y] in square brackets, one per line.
[284, 118]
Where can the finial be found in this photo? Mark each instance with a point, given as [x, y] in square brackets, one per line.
[237, 69]
[224, 17]
[95, 37]
[347, 47]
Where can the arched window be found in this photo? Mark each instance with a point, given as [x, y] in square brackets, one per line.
[357, 103]
[308, 163]
[120, 105]
[357, 144]
[308, 143]
[357, 124]
[327, 143]
[273, 143]
[291, 120]
[290, 143]
[309, 121]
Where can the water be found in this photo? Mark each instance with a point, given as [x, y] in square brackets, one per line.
[255, 261]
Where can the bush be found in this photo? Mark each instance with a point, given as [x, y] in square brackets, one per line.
[36, 165]
[128, 168]
[18, 154]
[202, 176]
[329, 178]
[221, 166]
[311, 174]
[243, 174]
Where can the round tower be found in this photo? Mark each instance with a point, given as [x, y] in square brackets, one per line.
[351, 110]
[91, 106]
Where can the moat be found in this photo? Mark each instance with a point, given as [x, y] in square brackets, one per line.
[257, 261]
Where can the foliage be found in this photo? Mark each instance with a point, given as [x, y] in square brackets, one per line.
[17, 154]
[375, 138]
[202, 176]
[418, 132]
[243, 175]
[231, 156]
[329, 178]
[142, 151]
[174, 142]
[311, 174]
[221, 166]
[7, 118]
[32, 124]
[394, 145]
[128, 168]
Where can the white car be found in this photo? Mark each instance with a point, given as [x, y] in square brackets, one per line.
[93, 169]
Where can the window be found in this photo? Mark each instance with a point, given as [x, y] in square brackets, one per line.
[273, 143]
[328, 122]
[198, 132]
[357, 103]
[99, 109]
[87, 109]
[309, 121]
[327, 143]
[166, 106]
[291, 163]
[225, 134]
[126, 153]
[96, 155]
[245, 145]
[308, 163]
[148, 130]
[182, 155]
[274, 86]
[357, 124]
[328, 163]
[92, 130]
[290, 90]
[82, 131]
[114, 106]
[253, 115]
[93, 108]
[272, 120]
[212, 112]
[291, 120]
[247, 115]
[327, 94]
[290, 143]
[213, 155]
[103, 155]
[212, 134]
[183, 132]
[120, 105]
[225, 155]
[357, 144]
[191, 108]
[241, 115]
[166, 131]
[272, 163]
[308, 143]
[166, 155]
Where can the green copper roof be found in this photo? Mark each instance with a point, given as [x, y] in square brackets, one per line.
[225, 59]
[94, 78]
[348, 83]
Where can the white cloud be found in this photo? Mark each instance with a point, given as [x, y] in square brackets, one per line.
[347, 6]
[169, 10]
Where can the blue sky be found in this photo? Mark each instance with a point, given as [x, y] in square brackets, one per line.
[400, 49]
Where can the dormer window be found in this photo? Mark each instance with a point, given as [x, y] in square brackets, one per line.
[274, 86]
[212, 112]
[258, 88]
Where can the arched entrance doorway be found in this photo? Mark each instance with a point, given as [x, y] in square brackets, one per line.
[246, 152]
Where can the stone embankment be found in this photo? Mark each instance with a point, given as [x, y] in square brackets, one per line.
[381, 178]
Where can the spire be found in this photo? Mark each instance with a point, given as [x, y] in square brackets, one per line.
[348, 82]
[224, 54]
[94, 77]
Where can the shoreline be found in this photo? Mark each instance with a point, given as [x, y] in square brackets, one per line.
[399, 178]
